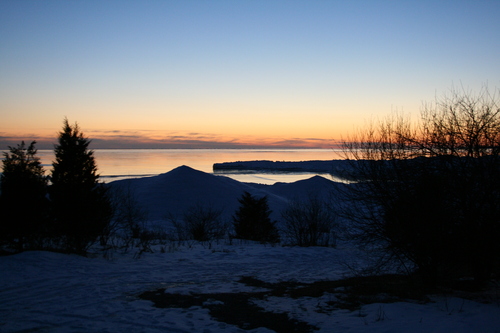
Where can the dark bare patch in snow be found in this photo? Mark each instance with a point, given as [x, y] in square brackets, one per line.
[242, 309]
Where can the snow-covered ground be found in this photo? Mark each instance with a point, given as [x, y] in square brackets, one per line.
[52, 292]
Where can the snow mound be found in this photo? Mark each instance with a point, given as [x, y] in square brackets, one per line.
[303, 189]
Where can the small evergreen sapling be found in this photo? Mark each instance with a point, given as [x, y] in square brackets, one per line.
[251, 221]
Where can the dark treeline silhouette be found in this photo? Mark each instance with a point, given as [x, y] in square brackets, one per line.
[68, 212]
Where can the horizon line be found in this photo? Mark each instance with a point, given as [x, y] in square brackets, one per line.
[44, 143]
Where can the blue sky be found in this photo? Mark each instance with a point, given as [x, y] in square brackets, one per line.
[234, 73]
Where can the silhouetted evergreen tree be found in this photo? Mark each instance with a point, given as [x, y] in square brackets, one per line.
[251, 220]
[22, 201]
[80, 204]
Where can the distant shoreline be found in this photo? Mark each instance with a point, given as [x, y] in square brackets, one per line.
[322, 166]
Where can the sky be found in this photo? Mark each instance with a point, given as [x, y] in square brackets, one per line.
[233, 74]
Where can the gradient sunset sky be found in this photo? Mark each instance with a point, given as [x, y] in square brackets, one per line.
[239, 73]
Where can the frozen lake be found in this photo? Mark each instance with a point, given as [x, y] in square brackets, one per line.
[115, 164]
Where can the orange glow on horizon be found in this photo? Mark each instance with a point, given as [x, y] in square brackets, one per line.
[169, 139]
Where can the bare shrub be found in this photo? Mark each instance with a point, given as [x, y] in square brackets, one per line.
[148, 238]
[200, 223]
[428, 191]
[310, 222]
[129, 218]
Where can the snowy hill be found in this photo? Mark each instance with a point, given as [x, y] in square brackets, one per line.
[175, 191]
[179, 189]
[302, 189]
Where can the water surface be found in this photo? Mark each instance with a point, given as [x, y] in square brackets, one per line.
[114, 164]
